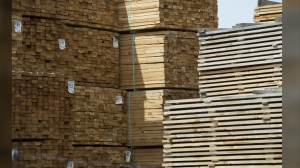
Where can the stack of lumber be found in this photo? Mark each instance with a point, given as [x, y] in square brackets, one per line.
[146, 157]
[56, 153]
[95, 157]
[39, 104]
[237, 131]
[163, 59]
[40, 154]
[98, 119]
[150, 14]
[237, 61]
[98, 14]
[89, 56]
[268, 13]
[146, 114]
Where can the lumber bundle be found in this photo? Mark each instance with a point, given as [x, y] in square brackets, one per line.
[268, 13]
[237, 131]
[146, 114]
[98, 119]
[40, 107]
[149, 14]
[42, 154]
[164, 59]
[95, 157]
[89, 56]
[148, 157]
[98, 14]
[239, 60]
[57, 153]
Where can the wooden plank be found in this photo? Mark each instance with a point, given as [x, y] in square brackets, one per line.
[132, 15]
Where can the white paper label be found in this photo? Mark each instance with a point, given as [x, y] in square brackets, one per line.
[71, 86]
[116, 42]
[62, 43]
[18, 26]
[70, 164]
[119, 100]
[127, 156]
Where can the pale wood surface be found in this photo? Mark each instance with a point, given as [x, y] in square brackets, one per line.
[146, 114]
[224, 131]
[240, 60]
[149, 14]
[164, 59]
[268, 13]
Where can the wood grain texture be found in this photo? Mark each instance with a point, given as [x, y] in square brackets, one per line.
[149, 157]
[40, 105]
[98, 157]
[98, 14]
[149, 14]
[164, 59]
[89, 55]
[33, 153]
[268, 13]
[146, 114]
[243, 130]
[98, 120]
[240, 60]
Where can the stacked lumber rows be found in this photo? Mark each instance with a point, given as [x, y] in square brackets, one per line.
[98, 14]
[57, 153]
[151, 157]
[267, 13]
[47, 116]
[98, 120]
[163, 59]
[89, 56]
[149, 14]
[40, 106]
[157, 63]
[33, 153]
[99, 157]
[240, 60]
[146, 114]
[236, 131]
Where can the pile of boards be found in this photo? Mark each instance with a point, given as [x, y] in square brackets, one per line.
[237, 121]
[77, 66]
[235, 130]
[158, 55]
[267, 13]
[67, 105]
[240, 60]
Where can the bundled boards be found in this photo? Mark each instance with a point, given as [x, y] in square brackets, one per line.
[239, 131]
[240, 60]
[97, 14]
[84, 54]
[267, 13]
[164, 59]
[163, 14]
[56, 153]
[99, 116]
[146, 114]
